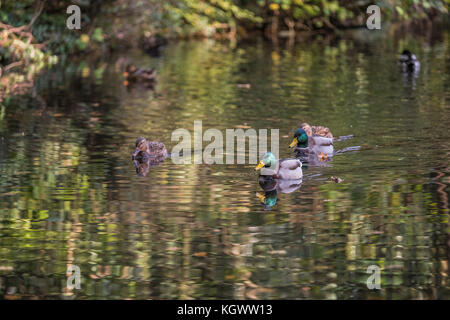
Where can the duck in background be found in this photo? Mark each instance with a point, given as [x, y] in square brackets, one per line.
[312, 143]
[316, 130]
[408, 62]
[135, 75]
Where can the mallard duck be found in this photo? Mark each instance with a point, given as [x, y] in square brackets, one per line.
[289, 169]
[408, 62]
[306, 145]
[152, 151]
[272, 187]
[133, 74]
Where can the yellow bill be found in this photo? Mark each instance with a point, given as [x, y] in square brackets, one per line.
[293, 143]
[261, 197]
[260, 165]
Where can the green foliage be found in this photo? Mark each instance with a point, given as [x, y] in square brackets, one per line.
[418, 9]
[122, 22]
[21, 59]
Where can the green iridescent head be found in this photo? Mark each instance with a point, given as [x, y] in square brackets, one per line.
[267, 161]
[300, 139]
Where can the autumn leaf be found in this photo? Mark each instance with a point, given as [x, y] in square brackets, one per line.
[322, 156]
[274, 6]
[242, 126]
[200, 254]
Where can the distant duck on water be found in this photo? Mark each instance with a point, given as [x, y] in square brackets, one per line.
[136, 75]
[408, 62]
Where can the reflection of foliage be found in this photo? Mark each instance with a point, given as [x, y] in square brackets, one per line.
[69, 194]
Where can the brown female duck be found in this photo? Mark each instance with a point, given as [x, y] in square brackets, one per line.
[316, 130]
[133, 74]
[154, 150]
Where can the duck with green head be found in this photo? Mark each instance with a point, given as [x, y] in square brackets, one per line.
[305, 145]
[289, 169]
[300, 139]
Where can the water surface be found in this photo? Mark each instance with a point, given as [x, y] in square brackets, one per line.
[69, 193]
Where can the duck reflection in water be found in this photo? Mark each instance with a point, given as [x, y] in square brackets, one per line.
[142, 167]
[408, 62]
[409, 66]
[272, 187]
[144, 163]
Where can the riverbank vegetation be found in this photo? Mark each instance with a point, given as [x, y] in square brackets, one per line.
[123, 21]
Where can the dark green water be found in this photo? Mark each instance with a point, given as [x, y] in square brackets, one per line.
[69, 193]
